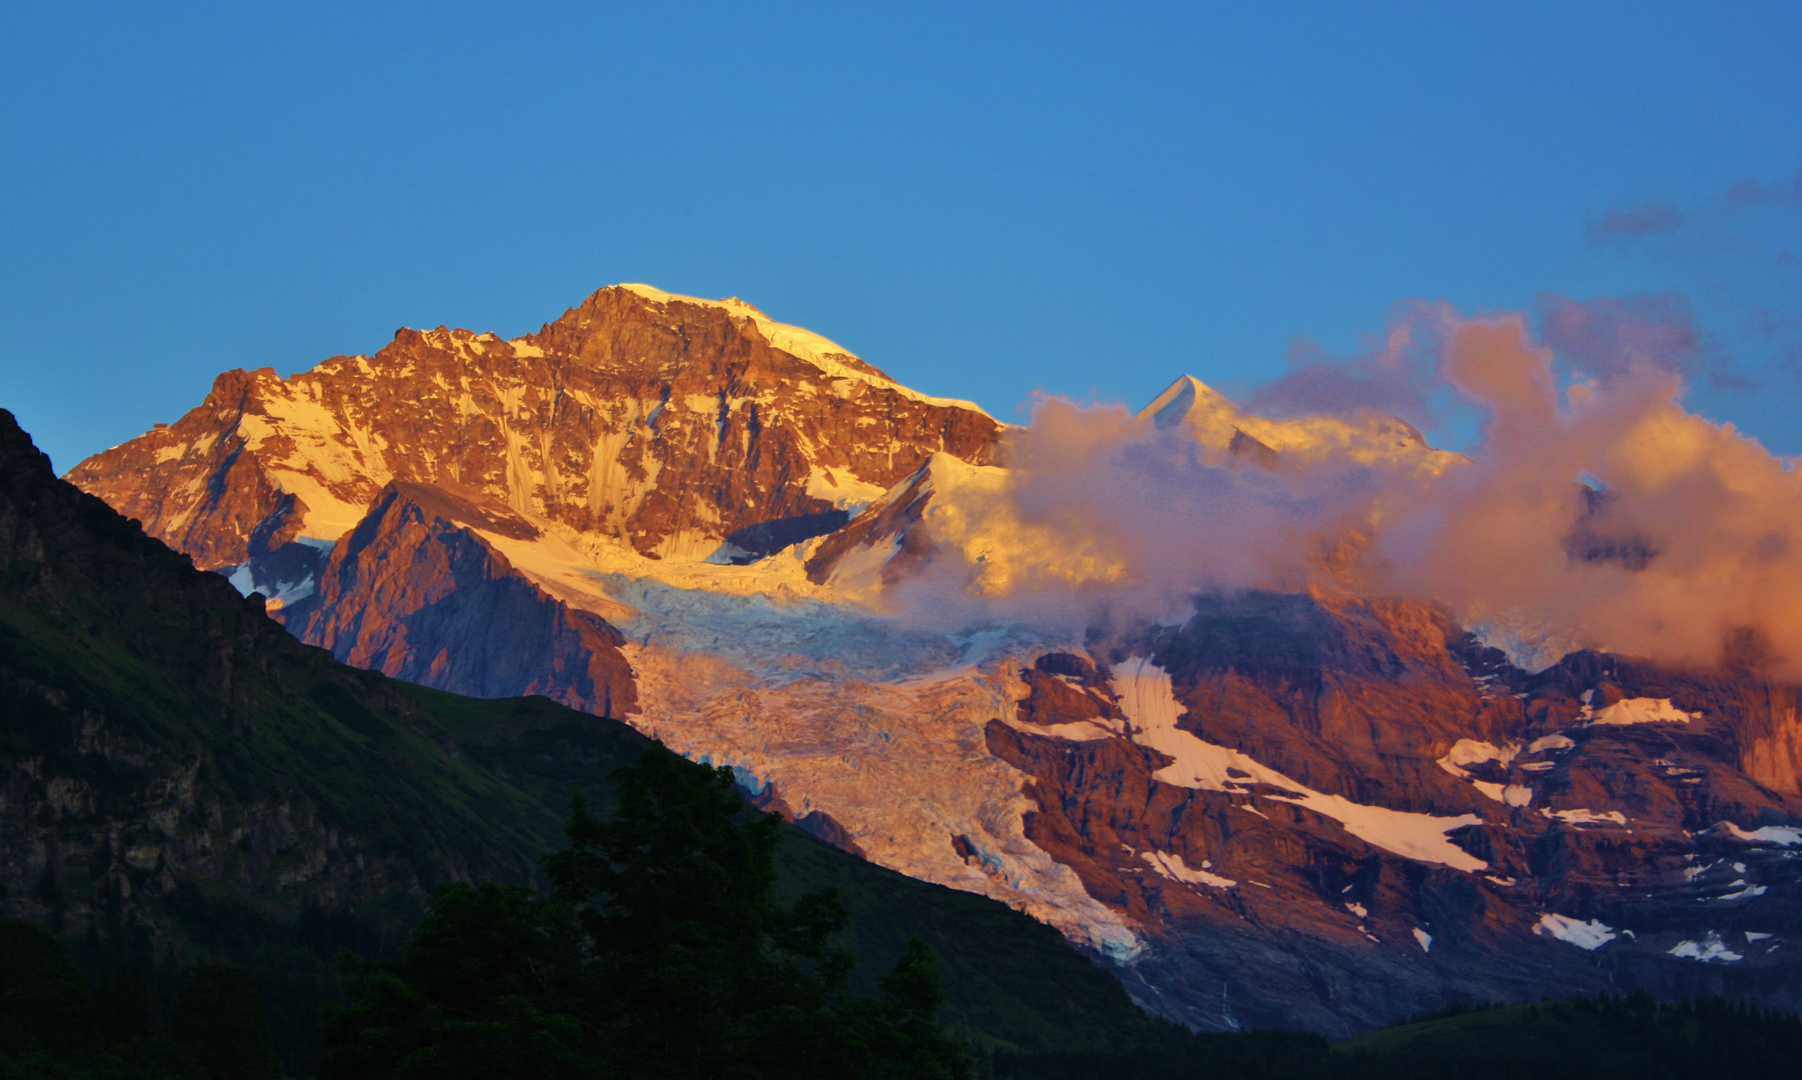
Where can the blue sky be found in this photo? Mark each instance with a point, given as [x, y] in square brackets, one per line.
[984, 200]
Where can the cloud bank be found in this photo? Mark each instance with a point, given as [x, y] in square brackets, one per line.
[1593, 502]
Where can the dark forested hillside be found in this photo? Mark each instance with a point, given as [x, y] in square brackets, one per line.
[184, 781]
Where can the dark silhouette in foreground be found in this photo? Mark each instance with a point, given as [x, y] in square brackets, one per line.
[56, 1023]
[664, 952]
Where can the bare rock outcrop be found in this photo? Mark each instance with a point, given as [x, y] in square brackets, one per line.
[415, 593]
[666, 422]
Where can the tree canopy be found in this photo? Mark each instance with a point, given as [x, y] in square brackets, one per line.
[664, 952]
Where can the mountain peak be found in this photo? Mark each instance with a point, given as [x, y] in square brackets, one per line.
[1219, 424]
[665, 421]
[829, 356]
[1183, 398]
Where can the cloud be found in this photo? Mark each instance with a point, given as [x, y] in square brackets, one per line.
[1617, 335]
[1606, 509]
[1751, 192]
[1396, 376]
[1659, 218]
[1595, 504]
[1735, 252]
[1637, 223]
[1610, 336]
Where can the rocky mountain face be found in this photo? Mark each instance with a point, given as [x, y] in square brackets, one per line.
[660, 422]
[1305, 809]
[459, 617]
[1329, 811]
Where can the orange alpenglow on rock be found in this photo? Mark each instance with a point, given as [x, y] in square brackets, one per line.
[1265, 709]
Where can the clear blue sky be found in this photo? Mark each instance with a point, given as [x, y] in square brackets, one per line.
[983, 200]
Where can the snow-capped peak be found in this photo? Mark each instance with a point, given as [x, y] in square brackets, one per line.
[829, 356]
[1220, 425]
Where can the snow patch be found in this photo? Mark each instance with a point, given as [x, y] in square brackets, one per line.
[1745, 893]
[1711, 947]
[1639, 711]
[1507, 794]
[1173, 867]
[844, 491]
[1080, 731]
[1590, 935]
[1425, 939]
[1146, 697]
[1471, 752]
[1586, 817]
[1781, 835]
[1550, 742]
[277, 594]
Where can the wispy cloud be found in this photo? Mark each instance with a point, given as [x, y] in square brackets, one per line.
[1752, 192]
[1718, 212]
[1396, 375]
[1611, 335]
[1636, 223]
[1735, 254]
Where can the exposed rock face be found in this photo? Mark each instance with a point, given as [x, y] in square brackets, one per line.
[1271, 809]
[1268, 908]
[895, 520]
[662, 421]
[413, 593]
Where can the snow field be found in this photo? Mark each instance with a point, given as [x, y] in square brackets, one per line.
[1146, 697]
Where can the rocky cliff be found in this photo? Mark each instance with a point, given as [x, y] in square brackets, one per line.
[1304, 808]
[663, 422]
[414, 593]
[1333, 811]
[183, 778]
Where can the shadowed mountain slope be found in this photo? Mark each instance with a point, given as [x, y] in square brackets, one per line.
[185, 779]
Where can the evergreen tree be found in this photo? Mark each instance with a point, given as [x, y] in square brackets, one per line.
[485, 988]
[665, 955]
[122, 1008]
[917, 1046]
[55, 1024]
[702, 965]
[44, 997]
[218, 1018]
